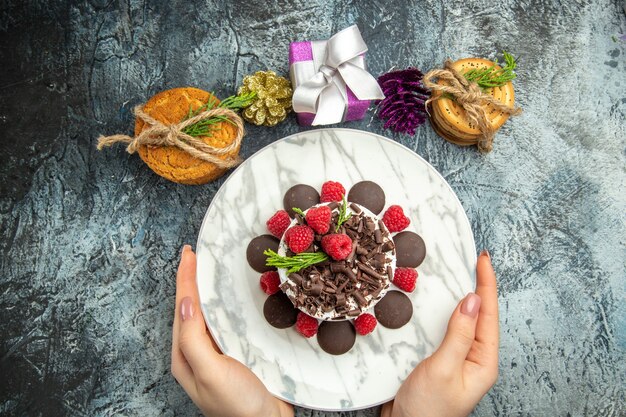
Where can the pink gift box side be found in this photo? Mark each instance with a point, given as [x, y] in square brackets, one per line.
[302, 51]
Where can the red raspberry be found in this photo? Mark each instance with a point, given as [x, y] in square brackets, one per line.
[332, 191]
[318, 218]
[299, 238]
[270, 282]
[337, 245]
[278, 223]
[306, 325]
[405, 278]
[395, 220]
[365, 324]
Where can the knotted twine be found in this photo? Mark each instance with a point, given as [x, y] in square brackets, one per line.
[160, 134]
[471, 98]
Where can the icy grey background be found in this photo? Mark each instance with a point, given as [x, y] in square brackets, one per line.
[90, 240]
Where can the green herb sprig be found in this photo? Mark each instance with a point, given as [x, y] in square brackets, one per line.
[294, 263]
[298, 211]
[491, 77]
[343, 214]
[206, 126]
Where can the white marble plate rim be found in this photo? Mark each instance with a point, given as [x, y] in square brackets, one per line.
[284, 139]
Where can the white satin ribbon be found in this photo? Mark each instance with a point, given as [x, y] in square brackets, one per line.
[337, 64]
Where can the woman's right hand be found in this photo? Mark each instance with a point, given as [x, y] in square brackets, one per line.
[451, 382]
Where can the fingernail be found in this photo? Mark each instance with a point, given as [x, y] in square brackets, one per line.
[185, 249]
[485, 252]
[471, 305]
[186, 308]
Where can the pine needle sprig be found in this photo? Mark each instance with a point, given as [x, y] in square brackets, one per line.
[343, 214]
[206, 126]
[298, 211]
[294, 263]
[491, 77]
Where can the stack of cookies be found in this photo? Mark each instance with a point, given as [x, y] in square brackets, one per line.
[449, 119]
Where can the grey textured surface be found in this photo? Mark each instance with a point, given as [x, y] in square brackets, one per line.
[90, 240]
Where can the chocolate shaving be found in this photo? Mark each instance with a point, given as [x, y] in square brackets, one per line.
[360, 299]
[316, 288]
[376, 293]
[296, 278]
[327, 307]
[378, 236]
[370, 280]
[356, 209]
[353, 313]
[369, 271]
[341, 300]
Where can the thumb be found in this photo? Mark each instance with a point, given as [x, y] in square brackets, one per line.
[193, 341]
[460, 334]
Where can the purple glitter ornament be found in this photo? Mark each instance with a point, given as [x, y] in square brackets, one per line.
[403, 106]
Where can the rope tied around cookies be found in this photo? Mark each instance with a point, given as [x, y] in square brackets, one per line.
[160, 134]
[471, 98]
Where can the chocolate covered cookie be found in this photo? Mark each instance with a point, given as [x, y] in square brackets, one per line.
[410, 249]
[394, 310]
[279, 311]
[368, 194]
[301, 196]
[336, 337]
[256, 247]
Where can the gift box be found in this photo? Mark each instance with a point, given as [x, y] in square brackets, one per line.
[330, 81]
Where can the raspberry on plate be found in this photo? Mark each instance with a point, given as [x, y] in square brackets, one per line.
[332, 191]
[278, 223]
[405, 279]
[306, 325]
[365, 324]
[318, 218]
[299, 238]
[395, 220]
[337, 245]
[270, 282]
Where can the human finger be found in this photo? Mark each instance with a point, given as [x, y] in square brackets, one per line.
[487, 328]
[193, 340]
[459, 336]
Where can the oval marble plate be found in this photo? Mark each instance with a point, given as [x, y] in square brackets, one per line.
[294, 368]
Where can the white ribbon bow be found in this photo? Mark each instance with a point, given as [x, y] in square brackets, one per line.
[343, 65]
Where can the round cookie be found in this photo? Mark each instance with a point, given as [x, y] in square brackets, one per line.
[279, 311]
[336, 337]
[170, 162]
[410, 249]
[254, 252]
[368, 194]
[394, 310]
[301, 196]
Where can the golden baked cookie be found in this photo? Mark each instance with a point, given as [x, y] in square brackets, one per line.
[172, 163]
[450, 120]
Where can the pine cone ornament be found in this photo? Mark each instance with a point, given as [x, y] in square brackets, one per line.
[273, 98]
[404, 106]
